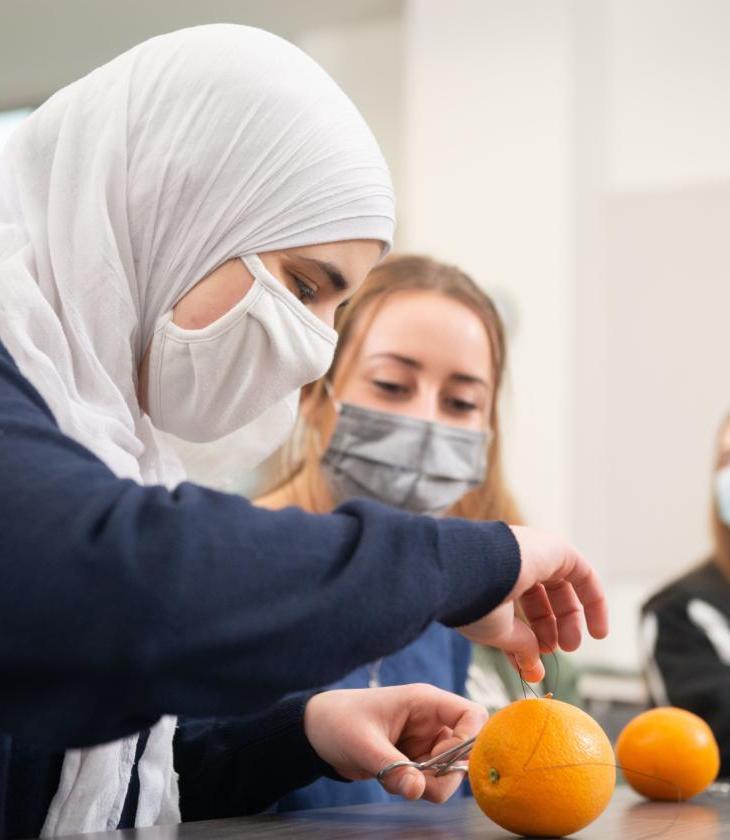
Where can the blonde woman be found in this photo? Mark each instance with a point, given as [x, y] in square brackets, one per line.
[418, 340]
[407, 415]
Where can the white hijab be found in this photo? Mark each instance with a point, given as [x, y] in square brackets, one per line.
[118, 195]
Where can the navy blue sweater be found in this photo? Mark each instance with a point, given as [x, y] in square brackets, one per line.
[120, 603]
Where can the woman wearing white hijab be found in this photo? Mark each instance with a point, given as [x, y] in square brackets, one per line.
[223, 153]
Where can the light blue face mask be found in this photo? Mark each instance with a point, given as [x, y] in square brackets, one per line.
[722, 494]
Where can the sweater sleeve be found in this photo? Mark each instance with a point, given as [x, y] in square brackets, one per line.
[231, 767]
[120, 603]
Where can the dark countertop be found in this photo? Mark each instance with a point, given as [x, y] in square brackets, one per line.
[628, 817]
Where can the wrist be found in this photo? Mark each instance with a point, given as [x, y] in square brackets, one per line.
[481, 561]
[312, 729]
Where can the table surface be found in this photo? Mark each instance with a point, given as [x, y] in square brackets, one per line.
[628, 817]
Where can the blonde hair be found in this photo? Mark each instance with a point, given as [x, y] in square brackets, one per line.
[304, 483]
[720, 531]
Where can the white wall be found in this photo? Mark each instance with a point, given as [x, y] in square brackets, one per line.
[669, 69]
[366, 60]
[47, 44]
[652, 295]
[489, 184]
[667, 381]
[575, 155]
[658, 174]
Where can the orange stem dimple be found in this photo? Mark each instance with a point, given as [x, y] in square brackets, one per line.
[493, 775]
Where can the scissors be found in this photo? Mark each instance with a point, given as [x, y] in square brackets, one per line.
[439, 765]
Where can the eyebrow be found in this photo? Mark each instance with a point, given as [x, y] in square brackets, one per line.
[332, 272]
[416, 365]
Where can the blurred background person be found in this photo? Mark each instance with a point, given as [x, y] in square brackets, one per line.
[685, 627]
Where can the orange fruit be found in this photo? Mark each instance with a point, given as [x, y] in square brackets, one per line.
[668, 753]
[542, 767]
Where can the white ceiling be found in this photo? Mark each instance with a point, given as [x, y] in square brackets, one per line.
[45, 44]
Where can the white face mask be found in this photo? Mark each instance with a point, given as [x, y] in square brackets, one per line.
[207, 383]
[263, 436]
[222, 464]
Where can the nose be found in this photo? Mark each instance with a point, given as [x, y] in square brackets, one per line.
[426, 405]
[325, 313]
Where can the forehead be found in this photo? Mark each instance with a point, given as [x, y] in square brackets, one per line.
[431, 328]
[354, 258]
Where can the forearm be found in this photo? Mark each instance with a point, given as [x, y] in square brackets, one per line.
[175, 603]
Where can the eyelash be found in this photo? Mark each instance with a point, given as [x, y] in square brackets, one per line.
[393, 388]
[390, 387]
[305, 292]
[463, 406]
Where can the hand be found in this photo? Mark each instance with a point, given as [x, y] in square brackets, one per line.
[360, 731]
[555, 587]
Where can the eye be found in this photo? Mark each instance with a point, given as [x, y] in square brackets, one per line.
[390, 387]
[305, 292]
[461, 406]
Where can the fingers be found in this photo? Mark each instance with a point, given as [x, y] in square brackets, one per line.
[539, 613]
[462, 720]
[359, 732]
[575, 587]
[502, 629]
[403, 781]
[555, 586]
[411, 783]
[567, 610]
[524, 652]
[589, 591]
[445, 720]
[462, 717]
[440, 788]
[554, 612]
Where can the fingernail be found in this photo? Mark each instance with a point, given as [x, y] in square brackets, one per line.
[405, 783]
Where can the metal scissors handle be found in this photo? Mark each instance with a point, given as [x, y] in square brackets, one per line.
[440, 764]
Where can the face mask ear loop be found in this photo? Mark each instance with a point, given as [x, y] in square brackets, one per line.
[486, 455]
[331, 394]
[337, 405]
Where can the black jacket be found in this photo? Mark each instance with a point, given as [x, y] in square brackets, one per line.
[686, 634]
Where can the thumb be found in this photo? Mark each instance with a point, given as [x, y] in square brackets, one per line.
[524, 652]
[404, 781]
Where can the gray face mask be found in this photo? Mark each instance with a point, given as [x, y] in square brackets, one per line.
[401, 461]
